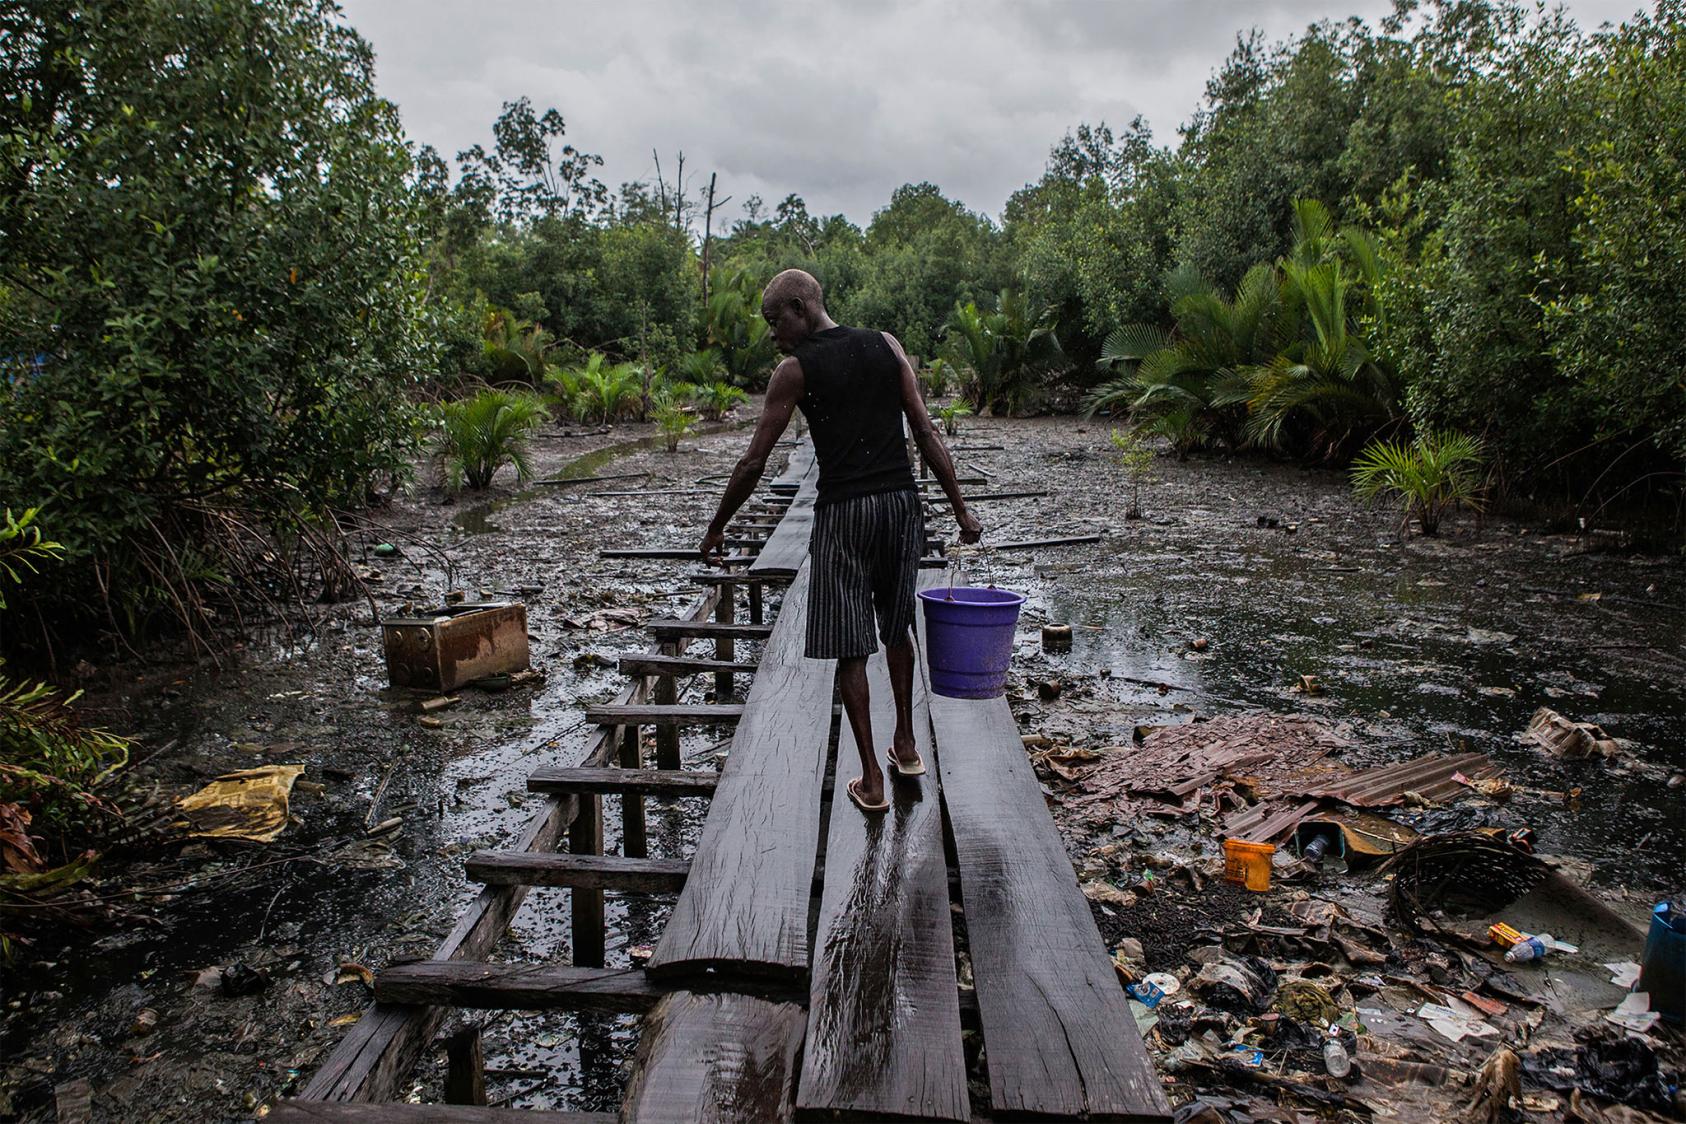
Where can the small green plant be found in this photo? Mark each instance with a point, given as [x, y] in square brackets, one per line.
[934, 378]
[607, 392]
[1430, 476]
[717, 399]
[480, 435]
[21, 547]
[950, 416]
[1135, 457]
[671, 417]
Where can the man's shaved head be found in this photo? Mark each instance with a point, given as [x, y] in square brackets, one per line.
[792, 284]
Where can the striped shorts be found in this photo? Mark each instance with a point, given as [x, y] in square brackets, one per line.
[864, 559]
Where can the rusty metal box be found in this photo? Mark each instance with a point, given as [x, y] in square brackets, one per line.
[458, 645]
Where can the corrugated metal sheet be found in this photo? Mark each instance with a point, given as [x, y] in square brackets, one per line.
[1431, 776]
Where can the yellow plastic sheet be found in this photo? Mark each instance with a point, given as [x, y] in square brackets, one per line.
[250, 804]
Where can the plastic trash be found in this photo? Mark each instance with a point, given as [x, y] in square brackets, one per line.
[1145, 993]
[1335, 1058]
[1529, 948]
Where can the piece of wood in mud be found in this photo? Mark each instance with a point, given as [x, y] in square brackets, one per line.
[670, 554]
[619, 781]
[674, 714]
[524, 987]
[787, 546]
[681, 665]
[381, 1048]
[583, 872]
[745, 905]
[1058, 1035]
[668, 629]
[883, 1010]
[1037, 544]
[721, 1058]
[330, 1112]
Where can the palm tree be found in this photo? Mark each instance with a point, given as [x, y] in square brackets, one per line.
[999, 353]
[607, 391]
[737, 332]
[481, 434]
[515, 348]
[1434, 473]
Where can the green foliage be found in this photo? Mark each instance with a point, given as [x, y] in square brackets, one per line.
[604, 391]
[1135, 456]
[515, 348]
[22, 548]
[209, 236]
[950, 414]
[737, 333]
[934, 377]
[718, 398]
[671, 417]
[1000, 353]
[479, 435]
[1430, 476]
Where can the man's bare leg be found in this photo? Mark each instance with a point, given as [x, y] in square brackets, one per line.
[900, 658]
[857, 708]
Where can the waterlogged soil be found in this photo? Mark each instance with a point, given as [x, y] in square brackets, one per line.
[1422, 646]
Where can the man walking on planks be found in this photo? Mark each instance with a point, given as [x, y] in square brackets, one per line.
[854, 386]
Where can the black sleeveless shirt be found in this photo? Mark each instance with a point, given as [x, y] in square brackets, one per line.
[852, 398]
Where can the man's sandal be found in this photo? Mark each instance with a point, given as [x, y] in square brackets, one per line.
[917, 769]
[870, 809]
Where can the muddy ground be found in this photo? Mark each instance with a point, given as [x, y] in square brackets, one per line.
[1422, 645]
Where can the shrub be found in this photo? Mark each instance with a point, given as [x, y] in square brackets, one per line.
[1430, 476]
[950, 416]
[718, 398]
[480, 435]
[671, 416]
[1135, 457]
[607, 391]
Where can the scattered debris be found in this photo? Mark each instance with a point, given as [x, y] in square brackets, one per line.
[242, 979]
[1569, 740]
[250, 804]
[1056, 638]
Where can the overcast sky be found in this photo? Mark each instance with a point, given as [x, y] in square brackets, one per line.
[841, 102]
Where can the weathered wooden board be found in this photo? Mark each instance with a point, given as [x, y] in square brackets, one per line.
[722, 1058]
[883, 1013]
[582, 872]
[745, 905]
[656, 714]
[466, 983]
[328, 1112]
[679, 665]
[619, 781]
[787, 546]
[669, 629]
[1058, 1035]
[798, 465]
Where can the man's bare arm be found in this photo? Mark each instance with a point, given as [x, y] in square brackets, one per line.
[931, 445]
[783, 392]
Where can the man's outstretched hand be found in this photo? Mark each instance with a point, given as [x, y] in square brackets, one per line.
[713, 548]
[970, 529]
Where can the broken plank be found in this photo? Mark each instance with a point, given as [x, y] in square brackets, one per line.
[745, 905]
[1059, 1038]
[664, 553]
[673, 714]
[329, 1112]
[523, 987]
[721, 1058]
[1034, 544]
[621, 781]
[670, 629]
[883, 998]
[658, 664]
[582, 872]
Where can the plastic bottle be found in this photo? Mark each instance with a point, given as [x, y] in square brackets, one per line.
[1531, 948]
[1313, 852]
[1335, 1058]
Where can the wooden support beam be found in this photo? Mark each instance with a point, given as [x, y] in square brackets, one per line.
[465, 1067]
[738, 577]
[680, 714]
[756, 612]
[645, 782]
[725, 611]
[522, 987]
[679, 665]
[672, 554]
[667, 629]
[633, 842]
[330, 1112]
[587, 874]
[667, 734]
[585, 840]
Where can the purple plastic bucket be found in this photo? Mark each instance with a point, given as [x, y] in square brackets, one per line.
[969, 639]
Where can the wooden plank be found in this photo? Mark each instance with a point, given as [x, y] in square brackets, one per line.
[634, 839]
[667, 629]
[381, 1048]
[525, 987]
[669, 554]
[883, 1014]
[587, 929]
[680, 665]
[465, 1066]
[580, 871]
[327, 1112]
[1058, 1035]
[745, 906]
[618, 782]
[753, 581]
[787, 546]
[656, 714]
[722, 1058]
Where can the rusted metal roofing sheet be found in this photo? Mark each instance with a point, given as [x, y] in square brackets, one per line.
[1430, 776]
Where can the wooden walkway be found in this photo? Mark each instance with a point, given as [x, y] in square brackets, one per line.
[810, 969]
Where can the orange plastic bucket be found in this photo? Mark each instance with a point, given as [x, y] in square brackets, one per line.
[1248, 864]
